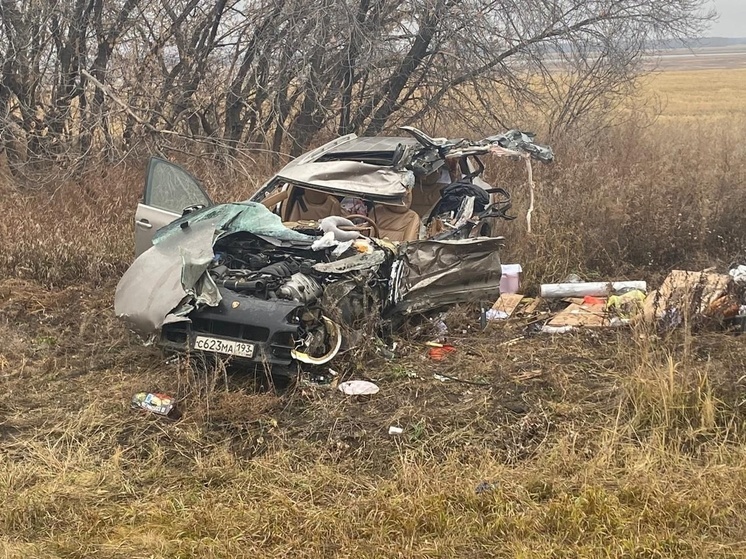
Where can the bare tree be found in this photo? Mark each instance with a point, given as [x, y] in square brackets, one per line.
[283, 74]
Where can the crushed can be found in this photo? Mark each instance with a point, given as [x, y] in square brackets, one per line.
[160, 404]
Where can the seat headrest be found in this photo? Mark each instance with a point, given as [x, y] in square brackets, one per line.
[314, 197]
[431, 179]
[407, 200]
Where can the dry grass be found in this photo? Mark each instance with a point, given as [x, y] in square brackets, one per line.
[609, 444]
[701, 96]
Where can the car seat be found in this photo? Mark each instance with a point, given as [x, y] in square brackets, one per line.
[426, 192]
[318, 205]
[397, 223]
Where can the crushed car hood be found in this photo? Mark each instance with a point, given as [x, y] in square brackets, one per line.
[166, 281]
[170, 280]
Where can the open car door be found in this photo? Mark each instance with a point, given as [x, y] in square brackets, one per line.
[169, 190]
[431, 274]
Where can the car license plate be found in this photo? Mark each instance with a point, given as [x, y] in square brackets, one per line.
[219, 345]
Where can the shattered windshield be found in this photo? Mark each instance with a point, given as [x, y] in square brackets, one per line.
[250, 217]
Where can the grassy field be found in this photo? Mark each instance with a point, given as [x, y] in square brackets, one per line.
[701, 95]
[606, 444]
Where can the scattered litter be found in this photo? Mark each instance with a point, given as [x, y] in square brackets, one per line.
[322, 378]
[592, 316]
[706, 296]
[441, 329]
[547, 329]
[438, 352]
[386, 352]
[626, 305]
[358, 388]
[727, 306]
[594, 289]
[533, 306]
[160, 404]
[738, 274]
[510, 281]
[740, 319]
[484, 487]
[505, 306]
[395, 430]
[494, 314]
[441, 378]
[685, 295]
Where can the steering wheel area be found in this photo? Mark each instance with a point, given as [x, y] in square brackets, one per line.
[371, 225]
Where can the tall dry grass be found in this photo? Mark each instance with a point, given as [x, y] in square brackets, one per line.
[633, 201]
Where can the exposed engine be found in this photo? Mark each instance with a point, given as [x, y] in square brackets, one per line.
[268, 274]
[251, 268]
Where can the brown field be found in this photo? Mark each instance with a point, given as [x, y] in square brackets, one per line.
[700, 96]
[607, 444]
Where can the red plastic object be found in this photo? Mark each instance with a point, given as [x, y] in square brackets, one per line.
[440, 353]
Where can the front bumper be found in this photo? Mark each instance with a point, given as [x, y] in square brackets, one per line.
[270, 325]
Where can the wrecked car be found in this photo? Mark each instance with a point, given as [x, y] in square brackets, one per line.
[357, 230]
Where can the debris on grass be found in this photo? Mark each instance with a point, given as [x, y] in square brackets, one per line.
[484, 487]
[685, 296]
[159, 404]
[548, 329]
[438, 352]
[699, 298]
[510, 281]
[594, 289]
[358, 388]
[738, 273]
[505, 306]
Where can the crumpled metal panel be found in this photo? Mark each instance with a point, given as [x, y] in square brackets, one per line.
[353, 263]
[432, 274]
[523, 142]
[352, 177]
[166, 281]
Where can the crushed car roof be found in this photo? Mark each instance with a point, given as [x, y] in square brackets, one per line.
[370, 144]
[351, 176]
[383, 168]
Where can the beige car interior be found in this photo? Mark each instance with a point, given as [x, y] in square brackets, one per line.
[318, 205]
[397, 223]
[426, 193]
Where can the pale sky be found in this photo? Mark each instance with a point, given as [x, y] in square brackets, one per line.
[732, 18]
